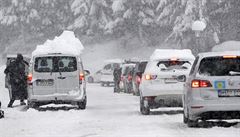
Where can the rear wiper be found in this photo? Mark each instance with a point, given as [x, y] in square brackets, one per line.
[234, 73]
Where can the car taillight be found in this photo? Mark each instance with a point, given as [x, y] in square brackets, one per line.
[201, 83]
[138, 79]
[150, 77]
[81, 76]
[29, 77]
[129, 77]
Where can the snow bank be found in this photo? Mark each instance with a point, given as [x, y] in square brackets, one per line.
[227, 46]
[66, 43]
[184, 54]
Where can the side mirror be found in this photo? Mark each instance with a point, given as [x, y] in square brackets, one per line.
[182, 78]
[87, 72]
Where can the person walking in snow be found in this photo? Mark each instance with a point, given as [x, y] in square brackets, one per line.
[18, 80]
[117, 78]
[1, 112]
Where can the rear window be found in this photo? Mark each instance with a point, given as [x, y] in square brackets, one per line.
[142, 66]
[219, 66]
[55, 64]
[170, 65]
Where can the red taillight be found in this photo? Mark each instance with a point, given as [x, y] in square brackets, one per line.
[201, 84]
[138, 79]
[29, 77]
[81, 76]
[129, 77]
[150, 77]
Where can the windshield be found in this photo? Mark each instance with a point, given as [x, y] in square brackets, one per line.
[219, 66]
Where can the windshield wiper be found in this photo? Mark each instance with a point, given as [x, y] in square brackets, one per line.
[234, 73]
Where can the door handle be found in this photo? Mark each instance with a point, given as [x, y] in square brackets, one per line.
[61, 77]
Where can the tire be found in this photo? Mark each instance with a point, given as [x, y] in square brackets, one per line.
[144, 110]
[192, 123]
[102, 84]
[108, 84]
[185, 119]
[33, 105]
[82, 104]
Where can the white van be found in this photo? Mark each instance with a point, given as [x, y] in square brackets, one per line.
[56, 78]
[107, 71]
[56, 73]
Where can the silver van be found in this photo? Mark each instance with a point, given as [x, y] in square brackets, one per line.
[56, 78]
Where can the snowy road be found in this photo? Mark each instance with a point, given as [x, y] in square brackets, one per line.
[107, 114]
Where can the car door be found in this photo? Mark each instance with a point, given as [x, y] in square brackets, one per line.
[67, 76]
[44, 82]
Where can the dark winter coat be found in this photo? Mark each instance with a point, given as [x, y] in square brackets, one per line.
[117, 74]
[18, 79]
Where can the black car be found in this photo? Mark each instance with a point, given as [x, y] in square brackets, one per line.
[137, 75]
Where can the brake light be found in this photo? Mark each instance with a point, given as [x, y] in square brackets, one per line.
[81, 76]
[129, 77]
[229, 56]
[29, 77]
[173, 59]
[138, 79]
[150, 77]
[201, 84]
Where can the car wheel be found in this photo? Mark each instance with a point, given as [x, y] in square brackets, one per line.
[185, 119]
[82, 104]
[144, 110]
[192, 123]
[108, 84]
[102, 84]
[34, 105]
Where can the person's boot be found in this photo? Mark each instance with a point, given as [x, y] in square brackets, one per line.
[10, 104]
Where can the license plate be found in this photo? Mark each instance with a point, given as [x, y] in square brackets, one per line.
[170, 80]
[229, 93]
[45, 82]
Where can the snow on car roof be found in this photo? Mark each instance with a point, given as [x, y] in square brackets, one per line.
[66, 43]
[224, 53]
[15, 56]
[113, 61]
[162, 54]
[227, 46]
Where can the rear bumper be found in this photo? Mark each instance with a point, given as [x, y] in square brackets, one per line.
[163, 89]
[57, 98]
[164, 101]
[212, 109]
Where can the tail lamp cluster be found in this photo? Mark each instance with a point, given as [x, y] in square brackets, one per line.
[150, 77]
[200, 83]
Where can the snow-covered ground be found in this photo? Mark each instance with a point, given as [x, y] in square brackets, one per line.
[107, 114]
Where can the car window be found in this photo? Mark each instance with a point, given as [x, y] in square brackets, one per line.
[170, 65]
[43, 64]
[67, 64]
[107, 67]
[219, 66]
[142, 66]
